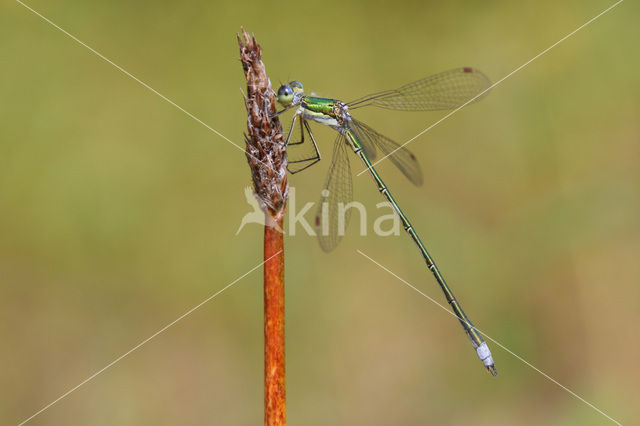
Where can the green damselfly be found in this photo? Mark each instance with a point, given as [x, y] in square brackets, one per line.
[447, 90]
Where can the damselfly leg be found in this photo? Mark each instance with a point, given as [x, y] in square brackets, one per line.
[307, 159]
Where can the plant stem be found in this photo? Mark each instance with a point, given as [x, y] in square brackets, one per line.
[274, 353]
[267, 159]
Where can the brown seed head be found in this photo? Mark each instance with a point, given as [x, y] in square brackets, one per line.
[265, 153]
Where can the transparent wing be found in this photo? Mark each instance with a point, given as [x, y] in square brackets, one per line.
[447, 90]
[369, 149]
[331, 217]
[399, 155]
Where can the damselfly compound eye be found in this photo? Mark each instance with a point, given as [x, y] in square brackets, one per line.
[285, 94]
[297, 86]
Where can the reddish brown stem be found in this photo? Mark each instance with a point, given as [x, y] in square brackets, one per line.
[268, 164]
[274, 355]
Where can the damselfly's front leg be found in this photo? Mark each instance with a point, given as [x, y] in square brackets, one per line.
[279, 112]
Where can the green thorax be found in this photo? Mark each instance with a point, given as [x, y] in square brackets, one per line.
[319, 105]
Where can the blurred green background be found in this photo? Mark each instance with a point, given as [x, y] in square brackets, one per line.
[119, 213]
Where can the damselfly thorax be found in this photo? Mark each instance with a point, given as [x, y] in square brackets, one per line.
[329, 112]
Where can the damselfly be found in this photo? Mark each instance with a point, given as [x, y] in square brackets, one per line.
[447, 90]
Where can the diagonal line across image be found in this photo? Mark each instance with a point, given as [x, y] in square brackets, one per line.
[139, 345]
[492, 339]
[142, 83]
[493, 85]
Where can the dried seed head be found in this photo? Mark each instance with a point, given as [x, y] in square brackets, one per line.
[265, 153]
